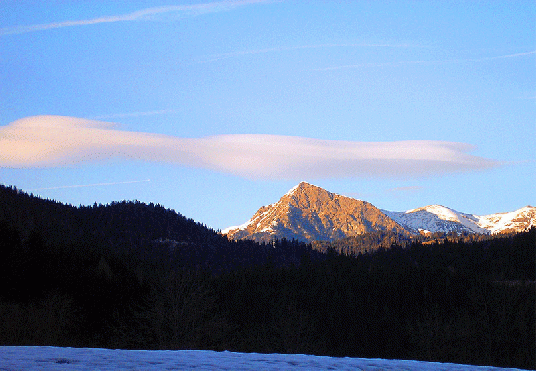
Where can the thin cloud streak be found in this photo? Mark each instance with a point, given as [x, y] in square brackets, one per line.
[217, 57]
[139, 15]
[53, 141]
[90, 185]
[360, 65]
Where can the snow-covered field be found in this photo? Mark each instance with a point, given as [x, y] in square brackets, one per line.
[54, 358]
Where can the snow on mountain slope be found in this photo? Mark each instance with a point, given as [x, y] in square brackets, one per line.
[514, 221]
[437, 218]
[307, 212]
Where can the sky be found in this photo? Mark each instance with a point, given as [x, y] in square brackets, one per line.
[215, 109]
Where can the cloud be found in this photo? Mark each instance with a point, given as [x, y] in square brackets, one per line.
[217, 57]
[468, 60]
[512, 55]
[139, 15]
[52, 141]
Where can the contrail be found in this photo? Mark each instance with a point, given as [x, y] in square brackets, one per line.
[90, 185]
[217, 57]
[381, 64]
[139, 15]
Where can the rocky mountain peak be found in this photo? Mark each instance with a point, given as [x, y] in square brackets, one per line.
[307, 196]
[308, 213]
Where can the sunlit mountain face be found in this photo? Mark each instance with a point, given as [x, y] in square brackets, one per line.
[309, 213]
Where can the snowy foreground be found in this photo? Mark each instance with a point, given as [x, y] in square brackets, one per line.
[53, 358]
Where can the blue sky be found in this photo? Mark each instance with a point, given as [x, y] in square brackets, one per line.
[217, 108]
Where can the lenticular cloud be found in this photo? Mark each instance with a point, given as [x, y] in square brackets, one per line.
[53, 141]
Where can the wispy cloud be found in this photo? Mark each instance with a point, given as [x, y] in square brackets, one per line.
[217, 57]
[510, 55]
[52, 141]
[139, 15]
[90, 185]
[466, 60]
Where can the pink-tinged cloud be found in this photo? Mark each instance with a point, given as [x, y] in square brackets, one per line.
[53, 141]
[143, 14]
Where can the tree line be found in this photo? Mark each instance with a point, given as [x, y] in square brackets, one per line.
[137, 276]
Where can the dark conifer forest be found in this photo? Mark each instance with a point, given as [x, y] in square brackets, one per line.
[139, 276]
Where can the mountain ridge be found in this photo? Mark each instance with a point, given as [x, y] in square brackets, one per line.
[308, 212]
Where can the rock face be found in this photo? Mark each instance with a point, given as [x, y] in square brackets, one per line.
[309, 213]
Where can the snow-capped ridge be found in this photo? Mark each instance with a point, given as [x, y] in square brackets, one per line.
[513, 221]
[308, 212]
[441, 211]
[437, 218]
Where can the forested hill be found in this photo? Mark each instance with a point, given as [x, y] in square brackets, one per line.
[147, 230]
[65, 223]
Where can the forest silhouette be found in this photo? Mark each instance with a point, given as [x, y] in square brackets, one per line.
[139, 276]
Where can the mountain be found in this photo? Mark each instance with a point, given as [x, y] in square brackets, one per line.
[310, 213]
[437, 218]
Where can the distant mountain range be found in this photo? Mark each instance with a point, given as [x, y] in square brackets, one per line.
[310, 213]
